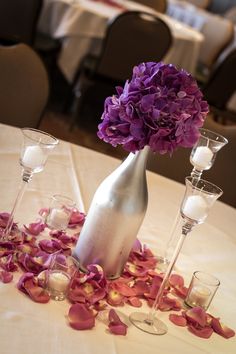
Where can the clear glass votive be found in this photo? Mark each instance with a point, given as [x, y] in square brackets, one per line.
[59, 212]
[202, 289]
[59, 278]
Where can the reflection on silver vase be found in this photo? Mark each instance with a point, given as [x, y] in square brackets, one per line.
[115, 216]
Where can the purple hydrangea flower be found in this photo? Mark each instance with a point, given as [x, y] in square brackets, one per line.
[160, 106]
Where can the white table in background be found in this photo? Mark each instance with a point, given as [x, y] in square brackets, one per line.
[81, 25]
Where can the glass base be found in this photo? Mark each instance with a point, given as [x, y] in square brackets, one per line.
[141, 321]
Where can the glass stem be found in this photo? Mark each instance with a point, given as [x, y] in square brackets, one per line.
[196, 173]
[171, 238]
[186, 228]
[26, 177]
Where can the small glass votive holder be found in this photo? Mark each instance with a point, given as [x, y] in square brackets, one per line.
[59, 278]
[202, 289]
[59, 212]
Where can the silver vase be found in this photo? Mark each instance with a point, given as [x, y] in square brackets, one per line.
[115, 216]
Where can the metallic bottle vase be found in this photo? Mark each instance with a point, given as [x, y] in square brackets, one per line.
[115, 216]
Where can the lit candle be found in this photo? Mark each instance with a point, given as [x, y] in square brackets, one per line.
[58, 281]
[195, 207]
[199, 296]
[202, 157]
[33, 157]
[58, 219]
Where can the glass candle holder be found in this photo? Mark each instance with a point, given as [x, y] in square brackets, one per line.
[35, 149]
[193, 212]
[204, 152]
[59, 212]
[59, 277]
[202, 290]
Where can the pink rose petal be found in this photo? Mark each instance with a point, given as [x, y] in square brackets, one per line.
[6, 277]
[178, 320]
[50, 246]
[204, 332]
[44, 212]
[134, 301]
[176, 280]
[196, 316]
[168, 304]
[7, 263]
[77, 218]
[181, 291]
[114, 298]
[140, 288]
[116, 326]
[36, 293]
[35, 228]
[28, 285]
[221, 329]
[80, 317]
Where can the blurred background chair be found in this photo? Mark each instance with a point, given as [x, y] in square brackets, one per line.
[222, 173]
[218, 34]
[231, 14]
[24, 87]
[131, 38]
[18, 20]
[221, 6]
[18, 24]
[202, 4]
[158, 5]
[221, 87]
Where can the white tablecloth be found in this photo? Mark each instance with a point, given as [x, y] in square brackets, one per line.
[28, 327]
[81, 25]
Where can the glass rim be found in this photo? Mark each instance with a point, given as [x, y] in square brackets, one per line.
[24, 130]
[217, 189]
[61, 198]
[211, 279]
[222, 141]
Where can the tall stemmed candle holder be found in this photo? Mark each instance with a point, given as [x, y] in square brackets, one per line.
[34, 153]
[199, 197]
[202, 158]
[204, 152]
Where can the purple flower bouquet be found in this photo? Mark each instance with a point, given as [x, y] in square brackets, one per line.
[160, 107]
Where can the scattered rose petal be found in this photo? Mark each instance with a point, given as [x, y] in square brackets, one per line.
[6, 277]
[44, 212]
[80, 317]
[196, 316]
[221, 329]
[114, 298]
[50, 246]
[168, 304]
[176, 280]
[28, 285]
[35, 228]
[181, 291]
[7, 263]
[204, 332]
[178, 320]
[77, 218]
[116, 326]
[134, 301]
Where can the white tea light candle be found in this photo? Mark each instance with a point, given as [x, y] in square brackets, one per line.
[195, 208]
[33, 157]
[58, 282]
[199, 296]
[58, 219]
[202, 157]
